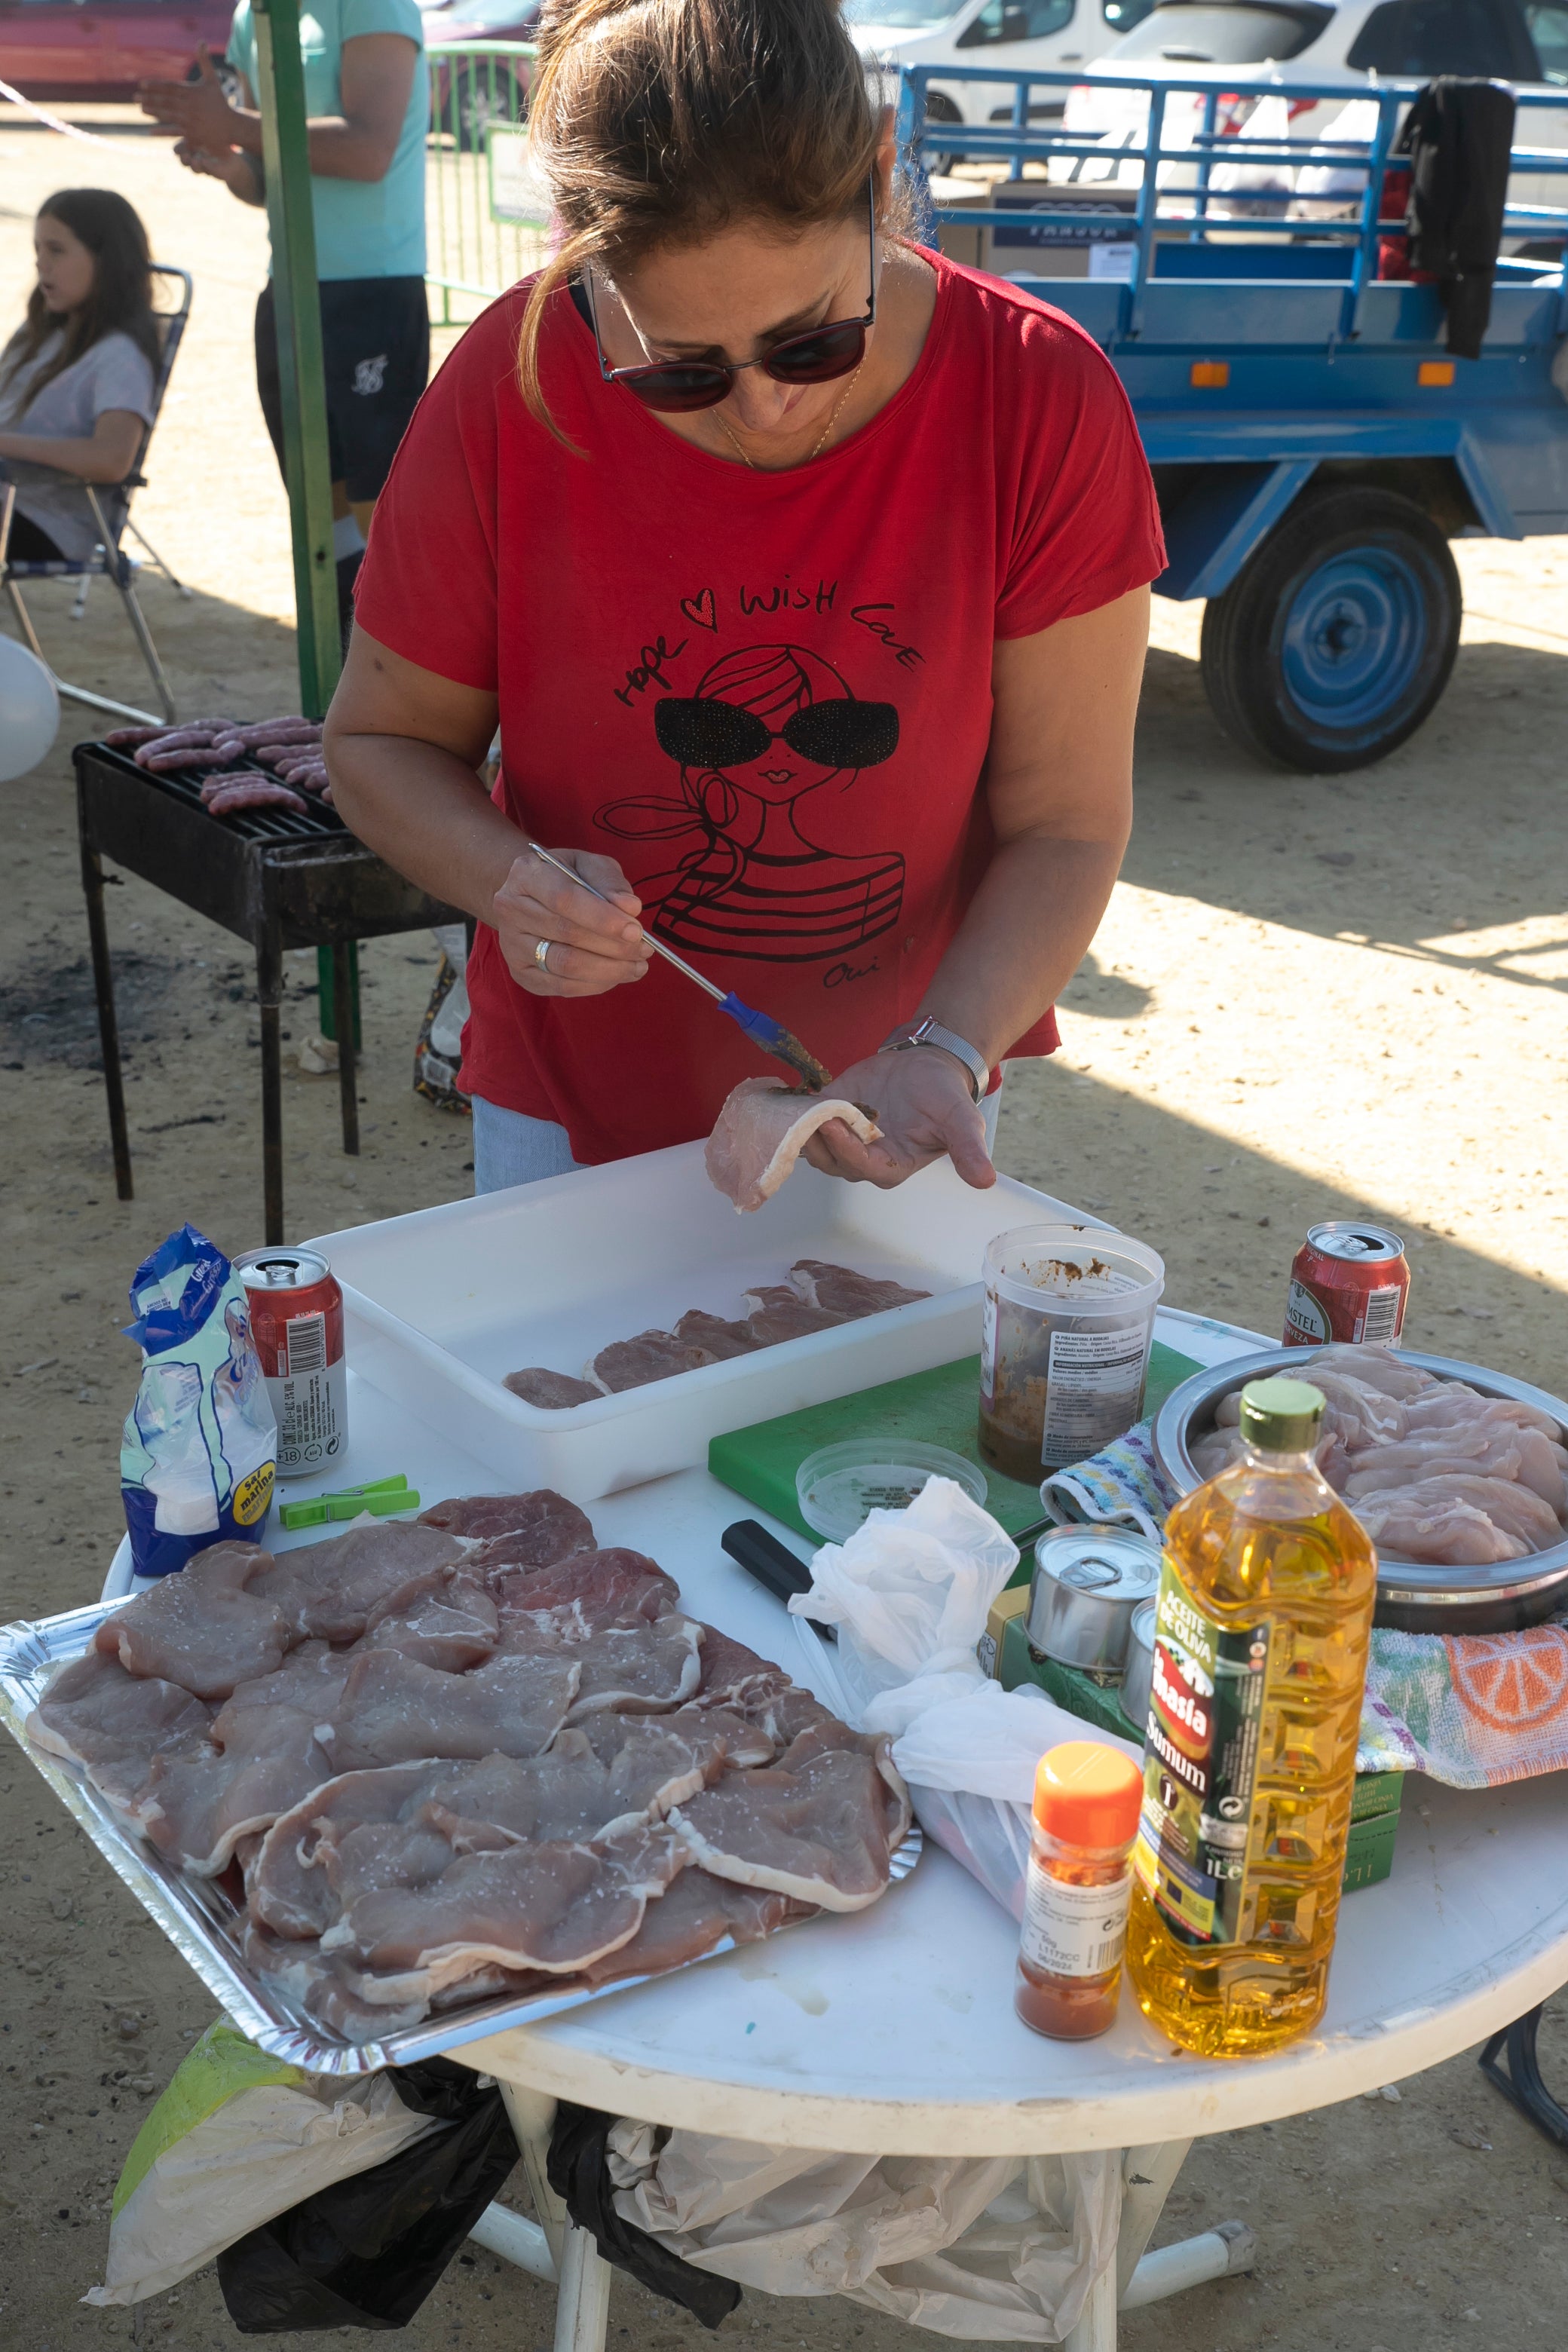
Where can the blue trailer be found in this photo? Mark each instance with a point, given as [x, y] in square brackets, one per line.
[1314, 446]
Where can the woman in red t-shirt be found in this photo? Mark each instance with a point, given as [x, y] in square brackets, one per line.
[806, 576]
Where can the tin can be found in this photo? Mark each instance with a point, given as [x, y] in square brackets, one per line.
[297, 1322]
[1137, 1677]
[1349, 1284]
[1087, 1583]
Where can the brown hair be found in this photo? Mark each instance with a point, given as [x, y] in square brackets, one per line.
[121, 297]
[659, 122]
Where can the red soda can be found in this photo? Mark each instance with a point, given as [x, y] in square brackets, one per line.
[1349, 1283]
[296, 1321]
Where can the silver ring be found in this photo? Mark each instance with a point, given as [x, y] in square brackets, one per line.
[541, 953]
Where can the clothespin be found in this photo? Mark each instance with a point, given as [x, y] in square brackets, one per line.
[381, 1498]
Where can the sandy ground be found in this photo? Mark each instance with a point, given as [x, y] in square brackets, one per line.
[1308, 999]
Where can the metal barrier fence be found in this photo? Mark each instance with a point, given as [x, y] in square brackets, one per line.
[1145, 164]
[474, 177]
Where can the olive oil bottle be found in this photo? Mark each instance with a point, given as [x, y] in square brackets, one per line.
[1260, 1645]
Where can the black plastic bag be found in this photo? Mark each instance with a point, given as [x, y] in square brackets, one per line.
[366, 2251]
[580, 2176]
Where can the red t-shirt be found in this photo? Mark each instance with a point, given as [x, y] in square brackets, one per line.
[767, 694]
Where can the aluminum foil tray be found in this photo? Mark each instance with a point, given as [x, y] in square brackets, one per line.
[201, 1919]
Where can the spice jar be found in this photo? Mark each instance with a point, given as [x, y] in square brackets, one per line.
[1087, 1801]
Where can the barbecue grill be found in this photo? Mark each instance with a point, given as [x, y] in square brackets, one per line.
[276, 877]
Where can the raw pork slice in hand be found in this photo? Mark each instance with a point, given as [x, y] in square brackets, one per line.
[651, 1356]
[760, 1133]
[552, 1528]
[844, 1292]
[778, 1312]
[202, 1627]
[553, 1391]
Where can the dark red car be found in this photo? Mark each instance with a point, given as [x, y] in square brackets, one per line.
[103, 48]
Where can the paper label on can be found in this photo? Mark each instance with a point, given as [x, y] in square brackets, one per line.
[1200, 1768]
[1073, 1931]
[1094, 1388]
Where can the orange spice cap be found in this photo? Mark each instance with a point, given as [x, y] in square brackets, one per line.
[1087, 1794]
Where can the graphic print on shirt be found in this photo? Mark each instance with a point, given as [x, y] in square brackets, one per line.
[767, 727]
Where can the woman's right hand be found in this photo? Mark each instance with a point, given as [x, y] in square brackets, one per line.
[591, 948]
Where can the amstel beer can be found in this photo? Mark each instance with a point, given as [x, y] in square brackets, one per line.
[296, 1321]
[1349, 1282]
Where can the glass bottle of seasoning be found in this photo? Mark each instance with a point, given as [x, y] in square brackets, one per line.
[1087, 1797]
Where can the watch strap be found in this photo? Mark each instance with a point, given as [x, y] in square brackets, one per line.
[932, 1032]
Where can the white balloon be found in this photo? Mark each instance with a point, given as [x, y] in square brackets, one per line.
[29, 710]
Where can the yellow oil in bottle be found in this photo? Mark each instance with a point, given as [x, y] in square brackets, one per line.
[1262, 1629]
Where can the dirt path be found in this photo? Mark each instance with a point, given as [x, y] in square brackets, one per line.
[1310, 998]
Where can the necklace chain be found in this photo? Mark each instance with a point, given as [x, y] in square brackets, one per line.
[821, 442]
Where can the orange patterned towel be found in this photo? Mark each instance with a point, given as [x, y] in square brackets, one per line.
[1472, 1710]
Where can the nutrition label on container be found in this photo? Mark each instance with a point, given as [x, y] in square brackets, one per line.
[1073, 1931]
[1094, 1388]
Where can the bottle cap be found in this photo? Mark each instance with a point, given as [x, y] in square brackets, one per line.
[1283, 1416]
[1087, 1794]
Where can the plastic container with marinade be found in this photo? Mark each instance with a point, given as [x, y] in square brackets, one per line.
[1069, 1323]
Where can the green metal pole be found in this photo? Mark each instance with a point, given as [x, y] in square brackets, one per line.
[297, 301]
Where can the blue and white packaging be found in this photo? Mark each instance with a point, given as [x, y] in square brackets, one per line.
[200, 1445]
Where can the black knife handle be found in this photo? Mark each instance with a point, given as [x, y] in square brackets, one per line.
[774, 1565]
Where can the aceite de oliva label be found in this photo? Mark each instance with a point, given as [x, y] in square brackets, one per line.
[1200, 1766]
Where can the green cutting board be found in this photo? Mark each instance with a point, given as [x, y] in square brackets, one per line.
[940, 1406]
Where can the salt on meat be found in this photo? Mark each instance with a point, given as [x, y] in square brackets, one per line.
[762, 1132]
[650, 1356]
[722, 1340]
[690, 1917]
[452, 1629]
[333, 1589]
[393, 1710]
[634, 1669]
[733, 1675]
[196, 1805]
[844, 1292]
[777, 1312]
[112, 1723]
[554, 1527]
[208, 1627]
[551, 1391]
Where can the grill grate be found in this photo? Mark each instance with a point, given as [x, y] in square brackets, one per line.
[314, 822]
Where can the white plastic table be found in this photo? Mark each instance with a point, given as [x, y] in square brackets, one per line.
[891, 2032]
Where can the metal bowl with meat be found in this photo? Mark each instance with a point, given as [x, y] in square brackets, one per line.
[1458, 1473]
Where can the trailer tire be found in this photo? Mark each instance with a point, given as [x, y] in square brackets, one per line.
[1334, 641]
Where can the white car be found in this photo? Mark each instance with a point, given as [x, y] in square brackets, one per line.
[1016, 36]
[1281, 43]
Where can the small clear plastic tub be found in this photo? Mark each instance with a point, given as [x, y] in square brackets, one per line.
[837, 1487]
[1069, 1323]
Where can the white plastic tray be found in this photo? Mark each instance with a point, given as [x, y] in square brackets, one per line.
[442, 1304]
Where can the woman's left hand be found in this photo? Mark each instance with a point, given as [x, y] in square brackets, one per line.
[925, 1108]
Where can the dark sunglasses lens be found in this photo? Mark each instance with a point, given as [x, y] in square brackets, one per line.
[844, 734]
[818, 357]
[672, 390]
[707, 734]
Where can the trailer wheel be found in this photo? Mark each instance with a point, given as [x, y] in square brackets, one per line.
[1335, 640]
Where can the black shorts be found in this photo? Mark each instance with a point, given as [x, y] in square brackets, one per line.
[376, 344]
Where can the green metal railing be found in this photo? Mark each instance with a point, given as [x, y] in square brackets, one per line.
[484, 220]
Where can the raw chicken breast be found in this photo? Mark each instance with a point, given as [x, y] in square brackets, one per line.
[760, 1131]
[1430, 1522]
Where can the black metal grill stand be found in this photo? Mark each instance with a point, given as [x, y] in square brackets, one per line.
[274, 878]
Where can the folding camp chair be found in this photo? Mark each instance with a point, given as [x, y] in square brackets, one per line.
[108, 504]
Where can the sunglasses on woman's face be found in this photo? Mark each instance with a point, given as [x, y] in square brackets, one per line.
[819, 355]
[702, 734]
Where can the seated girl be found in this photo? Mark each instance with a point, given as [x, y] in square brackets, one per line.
[77, 377]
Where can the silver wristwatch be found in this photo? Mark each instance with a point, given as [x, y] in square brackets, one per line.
[932, 1032]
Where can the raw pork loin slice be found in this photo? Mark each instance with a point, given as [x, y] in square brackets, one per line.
[332, 1590]
[651, 1356]
[777, 1312]
[760, 1131]
[553, 1391]
[821, 1832]
[203, 1627]
[844, 1292]
[722, 1340]
[548, 1527]
[113, 1723]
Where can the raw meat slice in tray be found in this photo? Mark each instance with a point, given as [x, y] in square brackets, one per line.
[776, 1312]
[820, 1832]
[332, 1590]
[540, 1526]
[553, 1391]
[846, 1293]
[113, 1724]
[207, 1628]
[650, 1356]
[722, 1339]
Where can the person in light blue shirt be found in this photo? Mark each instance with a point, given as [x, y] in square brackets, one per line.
[367, 103]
